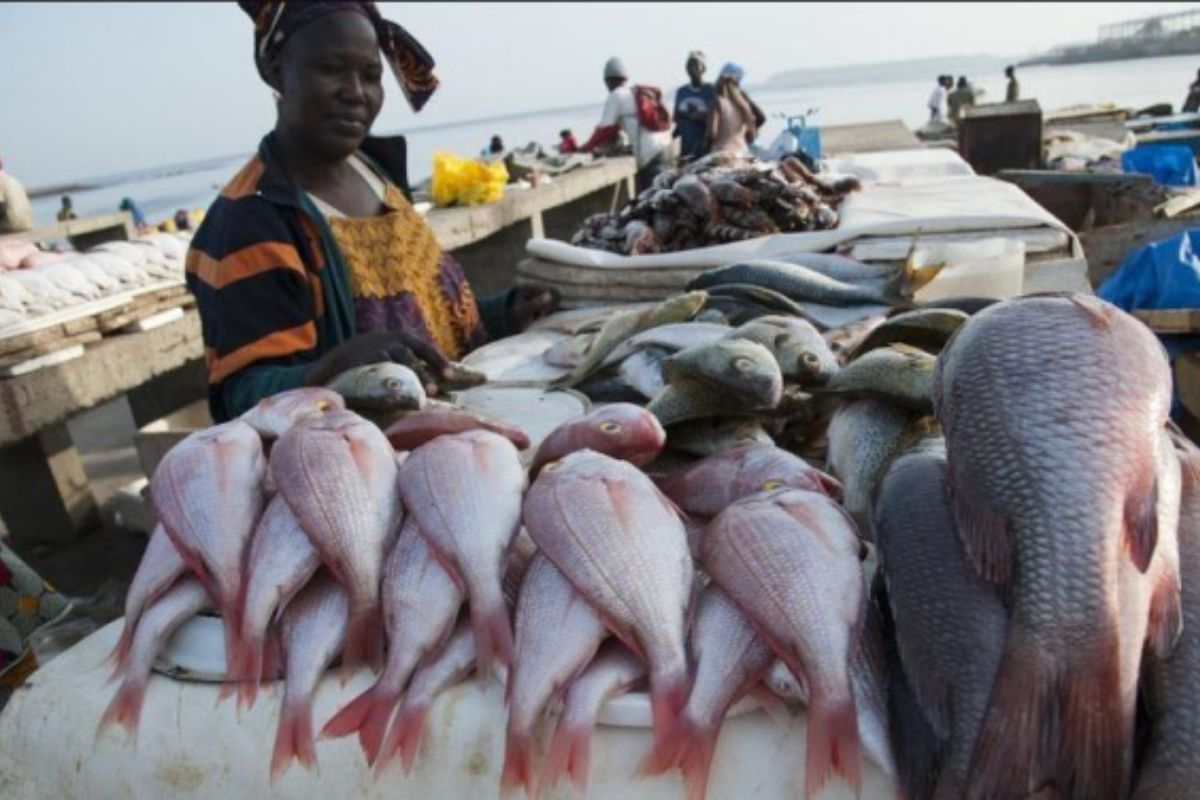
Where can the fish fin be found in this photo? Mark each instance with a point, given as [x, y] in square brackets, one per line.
[368, 714]
[918, 749]
[404, 737]
[1141, 525]
[570, 754]
[982, 528]
[1166, 614]
[364, 640]
[696, 763]
[293, 739]
[1021, 732]
[125, 709]
[1100, 314]
[518, 765]
[247, 667]
[668, 695]
[833, 746]
[680, 736]
[493, 635]
[119, 658]
[774, 707]
[1096, 752]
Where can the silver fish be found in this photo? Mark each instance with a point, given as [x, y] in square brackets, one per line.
[386, 386]
[897, 374]
[742, 369]
[1075, 391]
[160, 566]
[798, 347]
[797, 282]
[864, 435]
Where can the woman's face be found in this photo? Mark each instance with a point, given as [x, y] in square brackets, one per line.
[330, 78]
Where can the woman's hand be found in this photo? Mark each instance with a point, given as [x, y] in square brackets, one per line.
[373, 348]
[529, 303]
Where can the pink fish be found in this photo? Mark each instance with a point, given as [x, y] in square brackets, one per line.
[557, 635]
[184, 600]
[790, 559]
[273, 416]
[730, 660]
[338, 475]
[161, 564]
[621, 430]
[710, 485]
[622, 545]
[452, 666]
[614, 671]
[414, 430]
[1052, 407]
[208, 493]
[314, 629]
[281, 561]
[465, 491]
[420, 603]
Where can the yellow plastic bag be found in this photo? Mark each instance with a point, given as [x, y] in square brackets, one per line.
[466, 181]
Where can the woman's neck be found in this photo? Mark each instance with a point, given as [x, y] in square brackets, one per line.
[311, 171]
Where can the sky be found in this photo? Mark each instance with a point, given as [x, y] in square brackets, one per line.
[98, 88]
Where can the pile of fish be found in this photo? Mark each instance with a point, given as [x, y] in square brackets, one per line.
[994, 569]
[720, 198]
[33, 282]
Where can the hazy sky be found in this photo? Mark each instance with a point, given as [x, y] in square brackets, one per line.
[105, 87]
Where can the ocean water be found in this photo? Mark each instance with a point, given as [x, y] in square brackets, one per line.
[160, 191]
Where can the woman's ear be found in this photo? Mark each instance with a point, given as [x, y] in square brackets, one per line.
[273, 72]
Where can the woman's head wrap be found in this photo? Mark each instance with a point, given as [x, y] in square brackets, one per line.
[276, 20]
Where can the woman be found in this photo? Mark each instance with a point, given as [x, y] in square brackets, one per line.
[732, 124]
[312, 260]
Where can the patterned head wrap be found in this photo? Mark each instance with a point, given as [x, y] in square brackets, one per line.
[276, 20]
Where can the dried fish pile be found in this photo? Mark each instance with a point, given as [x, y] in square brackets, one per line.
[993, 647]
[718, 199]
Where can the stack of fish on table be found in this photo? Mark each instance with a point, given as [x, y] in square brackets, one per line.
[720, 198]
[991, 571]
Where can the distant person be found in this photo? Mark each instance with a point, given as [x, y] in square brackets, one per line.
[732, 126]
[16, 214]
[937, 100]
[638, 111]
[494, 148]
[962, 97]
[183, 221]
[566, 142]
[139, 219]
[694, 102]
[1013, 93]
[67, 212]
[1192, 103]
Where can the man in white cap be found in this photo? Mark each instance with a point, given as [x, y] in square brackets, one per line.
[621, 113]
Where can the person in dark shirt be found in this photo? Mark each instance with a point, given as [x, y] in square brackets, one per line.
[962, 97]
[1013, 93]
[693, 103]
[1192, 103]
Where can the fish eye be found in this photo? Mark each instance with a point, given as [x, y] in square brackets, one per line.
[553, 465]
[770, 486]
[743, 364]
[810, 359]
[391, 384]
[323, 405]
[610, 427]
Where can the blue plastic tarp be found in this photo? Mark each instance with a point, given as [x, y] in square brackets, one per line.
[1168, 164]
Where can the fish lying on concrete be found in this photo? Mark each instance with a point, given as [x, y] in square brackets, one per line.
[380, 387]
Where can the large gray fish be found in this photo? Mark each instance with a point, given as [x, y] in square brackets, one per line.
[420, 603]
[950, 624]
[844, 268]
[181, 602]
[926, 328]
[338, 475]
[864, 435]
[742, 369]
[313, 628]
[385, 386]
[799, 349]
[557, 634]
[730, 660]
[280, 562]
[1075, 392]
[623, 547]
[1170, 769]
[465, 491]
[643, 371]
[743, 302]
[709, 486]
[898, 374]
[160, 566]
[790, 560]
[615, 670]
[208, 491]
[799, 283]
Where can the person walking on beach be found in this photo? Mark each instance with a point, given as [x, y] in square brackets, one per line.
[638, 111]
[962, 97]
[1192, 103]
[732, 126]
[694, 102]
[16, 214]
[1013, 92]
[67, 213]
[937, 100]
[312, 259]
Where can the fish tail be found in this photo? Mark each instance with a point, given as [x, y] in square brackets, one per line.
[368, 714]
[404, 737]
[493, 635]
[249, 667]
[833, 745]
[1020, 737]
[1097, 730]
[570, 753]
[293, 738]
[119, 658]
[669, 750]
[668, 696]
[364, 639]
[696, 762]
[518, 764]
[125, 709]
